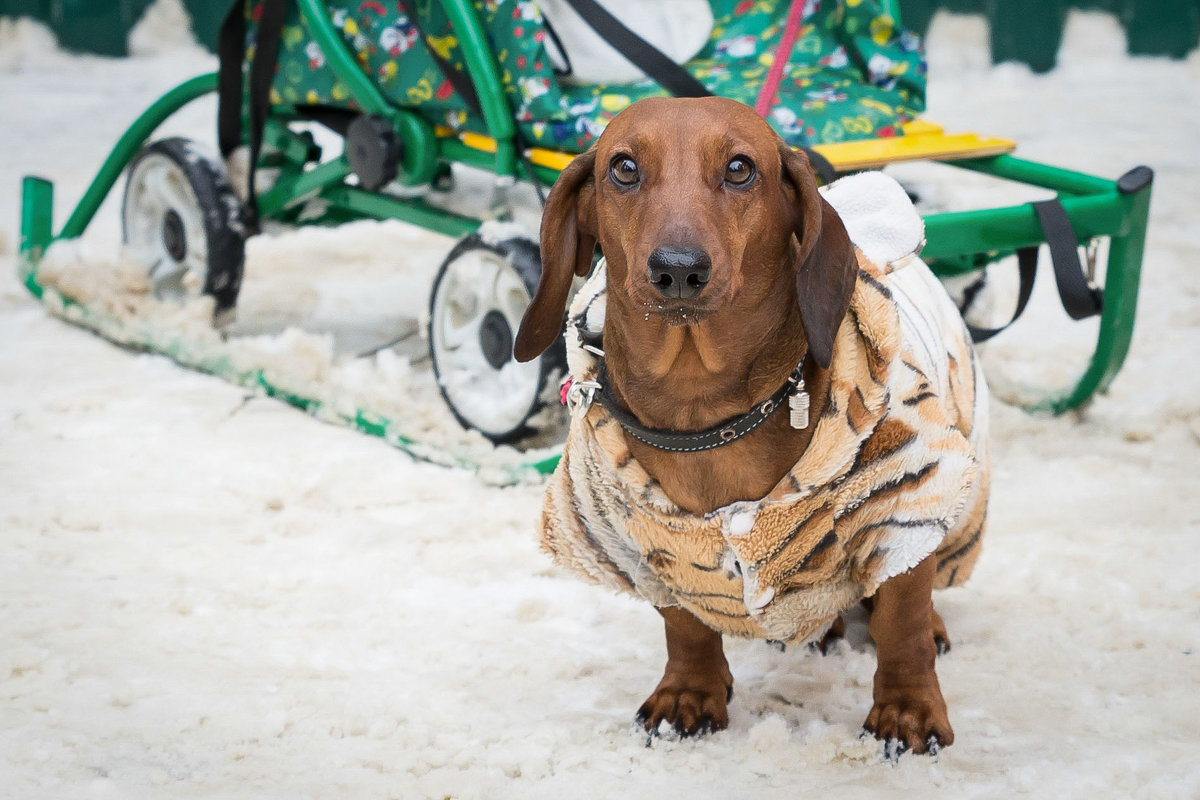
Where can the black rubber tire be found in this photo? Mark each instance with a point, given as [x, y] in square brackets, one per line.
[221, 210]
[523, 256]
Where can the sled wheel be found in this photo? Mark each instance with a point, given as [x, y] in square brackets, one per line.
[479, 296]
[182, 221]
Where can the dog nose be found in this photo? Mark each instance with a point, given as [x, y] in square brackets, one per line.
[679, 271]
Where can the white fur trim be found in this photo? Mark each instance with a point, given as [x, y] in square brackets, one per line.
[878, 215]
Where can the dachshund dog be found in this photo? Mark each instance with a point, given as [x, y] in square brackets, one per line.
[731, 288]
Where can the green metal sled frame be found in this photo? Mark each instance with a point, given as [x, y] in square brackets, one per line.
[957, 242]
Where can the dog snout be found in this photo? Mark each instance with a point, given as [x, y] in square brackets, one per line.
[679, 272]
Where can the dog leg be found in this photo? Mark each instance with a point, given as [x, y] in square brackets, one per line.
[940, 637]
[837, 632]
[909, 711]
[696, 685]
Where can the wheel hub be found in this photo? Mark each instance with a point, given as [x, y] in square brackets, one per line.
[496, 339]
[174, 237]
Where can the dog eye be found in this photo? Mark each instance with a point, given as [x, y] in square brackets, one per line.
[624, 171]
[739, 171]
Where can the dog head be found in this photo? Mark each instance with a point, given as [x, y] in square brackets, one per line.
[701, 212]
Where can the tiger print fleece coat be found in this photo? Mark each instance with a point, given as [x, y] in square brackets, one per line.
[896, 470]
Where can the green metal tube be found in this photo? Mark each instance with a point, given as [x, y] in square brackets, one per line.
[1009, 228]
[416, 212]
[128, 145]
[37, 221]
[1022, 171]
[1121, 280]
[1109, 212]
[296, 186]
[419, 160]
[37, 209]
[453, 150]
[485, 76]
[282, 139]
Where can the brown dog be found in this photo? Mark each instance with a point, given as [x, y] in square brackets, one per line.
[726, 269]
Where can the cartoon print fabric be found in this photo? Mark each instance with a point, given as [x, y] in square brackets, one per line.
[853, 73]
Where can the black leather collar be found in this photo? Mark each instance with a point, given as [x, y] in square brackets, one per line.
[719, 435]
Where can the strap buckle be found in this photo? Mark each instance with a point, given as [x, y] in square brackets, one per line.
[1091, 252]
[579, 396]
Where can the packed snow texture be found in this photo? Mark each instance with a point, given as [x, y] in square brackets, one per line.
[204, 593]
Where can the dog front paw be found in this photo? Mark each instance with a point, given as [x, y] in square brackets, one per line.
[913, 720]
[690, 709]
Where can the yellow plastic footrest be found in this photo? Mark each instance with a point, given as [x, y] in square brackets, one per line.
[922, 141]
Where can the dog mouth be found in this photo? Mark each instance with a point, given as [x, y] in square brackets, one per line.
[675, 313]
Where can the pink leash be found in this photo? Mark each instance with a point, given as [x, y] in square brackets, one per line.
[791, 31]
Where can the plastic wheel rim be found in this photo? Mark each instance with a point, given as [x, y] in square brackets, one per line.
[473, 289]
[160, 199]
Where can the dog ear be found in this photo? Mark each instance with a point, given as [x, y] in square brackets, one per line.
[827, 266]
[568, 239]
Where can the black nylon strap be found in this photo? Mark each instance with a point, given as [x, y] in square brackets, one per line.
[262, 74]
[1079, 299]
[1027, 258]
[232, 52]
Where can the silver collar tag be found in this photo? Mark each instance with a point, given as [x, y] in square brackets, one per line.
[798, 402]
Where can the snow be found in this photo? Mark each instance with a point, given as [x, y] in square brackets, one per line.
[204, 593]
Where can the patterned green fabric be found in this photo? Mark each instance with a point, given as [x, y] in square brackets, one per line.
[853, 74]
[388, 47]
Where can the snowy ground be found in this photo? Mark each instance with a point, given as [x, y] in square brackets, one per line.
[204, 594]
